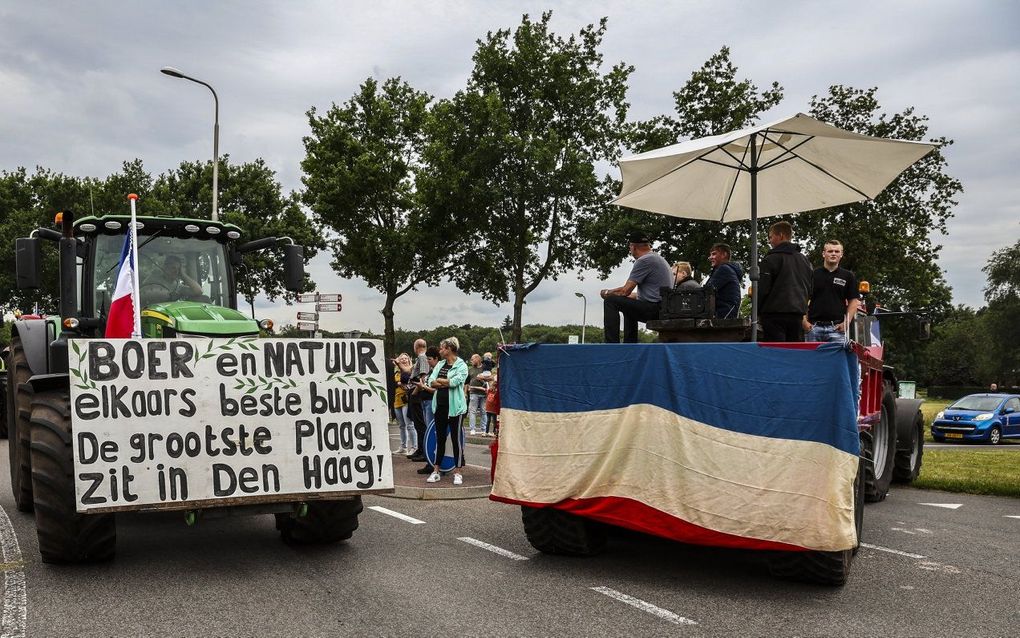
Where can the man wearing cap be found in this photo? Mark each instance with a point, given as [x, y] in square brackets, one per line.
[649, 273]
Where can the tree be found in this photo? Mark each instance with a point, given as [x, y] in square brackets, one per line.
[28, 202]
[1001, 360]
[888, 239]
[511, 158]
[953, 354]
[250, 196]
[252, 199]
[711, 102]
[359, 182]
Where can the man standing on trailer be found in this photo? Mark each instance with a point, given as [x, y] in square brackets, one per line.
[785, 286]
[833, 296]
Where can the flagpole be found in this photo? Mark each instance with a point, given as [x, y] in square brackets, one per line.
[136, 309]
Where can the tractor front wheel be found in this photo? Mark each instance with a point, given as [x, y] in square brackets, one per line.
[65, 536]
[323, 522]
[883, 451]
[19, 427]
[908, 462]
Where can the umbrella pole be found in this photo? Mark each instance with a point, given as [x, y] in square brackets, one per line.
[754, 237]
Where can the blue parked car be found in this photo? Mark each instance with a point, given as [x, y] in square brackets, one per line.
[979, 417]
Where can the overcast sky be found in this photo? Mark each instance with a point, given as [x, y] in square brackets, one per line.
[80, 92]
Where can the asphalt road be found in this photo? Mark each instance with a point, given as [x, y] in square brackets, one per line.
[465, 569]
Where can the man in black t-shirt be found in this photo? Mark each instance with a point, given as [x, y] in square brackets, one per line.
[833, 296]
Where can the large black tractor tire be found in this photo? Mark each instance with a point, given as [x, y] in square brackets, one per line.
[19, 411]
[65, 536]
[323, 522]
[881, 442]
[554, 531]
[3, 398]
[907, 465]
[825, 568]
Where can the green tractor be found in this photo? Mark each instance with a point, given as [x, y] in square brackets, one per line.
[187, 290]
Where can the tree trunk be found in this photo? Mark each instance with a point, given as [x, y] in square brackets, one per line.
[389, 346]
[518, 315]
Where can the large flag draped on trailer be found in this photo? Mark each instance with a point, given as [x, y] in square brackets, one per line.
[122, 321]
[737, 445]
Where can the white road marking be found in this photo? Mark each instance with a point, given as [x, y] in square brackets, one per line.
[932, 566]
[492, 548]
[664, 614]
[403, 517]
[1010, 516]
[905, 531]
[927, 565]
[15, 600]
[948, 506]
[893, 551]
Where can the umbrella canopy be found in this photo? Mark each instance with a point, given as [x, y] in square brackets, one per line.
[791, 165]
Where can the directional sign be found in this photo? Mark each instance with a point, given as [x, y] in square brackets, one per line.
[328, 307]
[308, 316]
[308, 297]
[330, 298]
[310, 326]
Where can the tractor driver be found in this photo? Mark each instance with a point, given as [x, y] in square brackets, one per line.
[169, 283]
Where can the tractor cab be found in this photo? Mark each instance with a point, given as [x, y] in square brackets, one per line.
[186, 273]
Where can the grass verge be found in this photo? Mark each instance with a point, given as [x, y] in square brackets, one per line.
[995, 472]
[929, 409]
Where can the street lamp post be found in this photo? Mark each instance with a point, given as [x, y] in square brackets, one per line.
[174, 73]
[584, 313]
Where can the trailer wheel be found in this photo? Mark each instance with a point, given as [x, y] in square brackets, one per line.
[554, 531]
[324, 522]
[65, 536]
[19, 411]
[825, 568]
[883, 451]
[908, 462]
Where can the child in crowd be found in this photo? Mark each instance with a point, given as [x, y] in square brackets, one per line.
[492, 405]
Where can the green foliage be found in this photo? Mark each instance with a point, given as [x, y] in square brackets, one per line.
[973, 472]
[511, 158]
[905, 271]
[250, 197]
[359, 167]
[952, 355]
[711, 102]
[1003, 274]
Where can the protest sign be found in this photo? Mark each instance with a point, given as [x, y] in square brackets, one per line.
[166, 423]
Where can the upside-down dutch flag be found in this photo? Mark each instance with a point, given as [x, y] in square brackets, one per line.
[734, 445]
[122, 320]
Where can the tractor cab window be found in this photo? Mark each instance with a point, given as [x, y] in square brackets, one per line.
[169, 269]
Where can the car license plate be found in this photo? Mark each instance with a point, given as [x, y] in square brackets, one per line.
[953, 435]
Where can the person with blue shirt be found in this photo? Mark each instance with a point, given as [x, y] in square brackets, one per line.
[649, 274]
[449, 403]
[726, 278]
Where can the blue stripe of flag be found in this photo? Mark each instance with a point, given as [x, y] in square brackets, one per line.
[805, 395]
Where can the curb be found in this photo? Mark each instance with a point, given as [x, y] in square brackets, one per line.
[439, 493]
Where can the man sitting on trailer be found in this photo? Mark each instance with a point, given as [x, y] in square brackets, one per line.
[649, 273]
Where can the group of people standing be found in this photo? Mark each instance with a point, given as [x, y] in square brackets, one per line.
[795, 300]
[439, 387]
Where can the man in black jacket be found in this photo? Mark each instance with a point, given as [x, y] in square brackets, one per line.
[784, 287]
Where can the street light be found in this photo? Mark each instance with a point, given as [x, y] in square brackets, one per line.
[584, 313]
[174, 73]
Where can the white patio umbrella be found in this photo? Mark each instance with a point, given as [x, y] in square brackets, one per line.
[791, 165]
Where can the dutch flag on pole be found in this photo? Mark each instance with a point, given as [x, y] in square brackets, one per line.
[124, 320]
